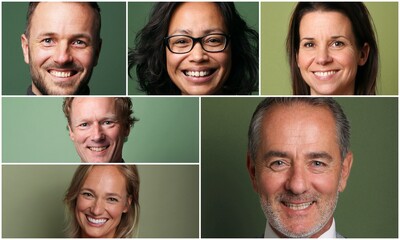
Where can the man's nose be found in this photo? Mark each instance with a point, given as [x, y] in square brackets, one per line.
[297, 181]
[62, 54]
[97, 132]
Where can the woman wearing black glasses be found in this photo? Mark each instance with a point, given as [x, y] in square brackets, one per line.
[196, 48]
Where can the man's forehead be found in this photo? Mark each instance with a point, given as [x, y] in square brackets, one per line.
[69, 13]
[90, 105]
[298, 110]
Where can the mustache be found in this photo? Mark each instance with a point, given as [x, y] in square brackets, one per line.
[291, 197]
[67, 66]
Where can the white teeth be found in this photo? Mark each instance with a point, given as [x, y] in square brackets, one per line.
[60, 74]
[197, 73]
[97, 221]
[324, 74]
[97, 149]
[298, 206]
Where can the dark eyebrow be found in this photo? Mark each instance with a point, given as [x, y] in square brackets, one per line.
[320, 155]
[189, 32]
[52, 34]
[275, 154]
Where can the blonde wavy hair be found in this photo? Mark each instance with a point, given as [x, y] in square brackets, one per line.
[129, 220]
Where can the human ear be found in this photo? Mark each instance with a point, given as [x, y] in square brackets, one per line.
[97, 53]
[251, 168]
[71, 133]
[345, 171]
[364, 53]
[128, 204]
[25, 47]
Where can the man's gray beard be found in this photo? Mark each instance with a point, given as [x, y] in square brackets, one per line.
[276, 223]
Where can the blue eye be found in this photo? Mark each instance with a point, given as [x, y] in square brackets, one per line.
[278, 165]
[47, 42]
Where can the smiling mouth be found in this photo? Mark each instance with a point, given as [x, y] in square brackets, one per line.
[298, 207]
[199, 73]
[99, 221]
[98, 149]
[326, 73]
[62, 74]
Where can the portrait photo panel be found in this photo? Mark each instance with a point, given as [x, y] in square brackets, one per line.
[166, 131]
[168, 200]
[227, 192]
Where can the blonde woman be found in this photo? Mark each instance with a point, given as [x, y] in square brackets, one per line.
[103, 201]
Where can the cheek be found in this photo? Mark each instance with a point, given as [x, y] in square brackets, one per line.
[173, 63]
[79, 137]
[224, 59]
[348, 60]
[268, 184]
[84, 57]
[39, 56]
[326, 185]
[304, 59]
[81, 206]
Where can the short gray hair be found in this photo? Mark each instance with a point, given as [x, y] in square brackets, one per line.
[342, 124]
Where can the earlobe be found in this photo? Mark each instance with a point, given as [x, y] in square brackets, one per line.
[71, 133]
[345, 171]
[25, 48]
[252, 172]
[364, 53]
[128, 204]
[98, 52]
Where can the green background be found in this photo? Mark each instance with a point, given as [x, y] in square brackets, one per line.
[34, 130]
[138, 16]
[33, 201]
[367, 208]
[109, 76]
[275, 73]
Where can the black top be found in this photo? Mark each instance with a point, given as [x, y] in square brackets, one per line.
[84, 91]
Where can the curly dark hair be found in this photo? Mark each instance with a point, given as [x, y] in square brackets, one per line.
[149, 55]
[362, 26]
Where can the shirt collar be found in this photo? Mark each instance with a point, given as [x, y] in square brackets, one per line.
[331, 233]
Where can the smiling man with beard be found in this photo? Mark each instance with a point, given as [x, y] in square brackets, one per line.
[61, 44]
[298, 161]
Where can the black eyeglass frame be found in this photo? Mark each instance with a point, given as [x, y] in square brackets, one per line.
[197, 40]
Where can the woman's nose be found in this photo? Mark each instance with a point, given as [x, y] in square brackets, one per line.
[198, 54]
[323, 56]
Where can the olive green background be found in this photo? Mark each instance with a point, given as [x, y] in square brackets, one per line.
[275, 72]
[34, 131]
[368, 208]
[109, 76]
[138, 16]
[33, 201]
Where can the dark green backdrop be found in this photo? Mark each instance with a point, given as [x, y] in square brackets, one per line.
[109, 76]
[34, 131]
[138, 16]
[368, 208]
[32, 201]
